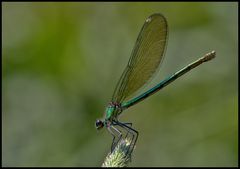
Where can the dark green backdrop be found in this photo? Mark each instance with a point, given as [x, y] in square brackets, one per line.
[61, 62]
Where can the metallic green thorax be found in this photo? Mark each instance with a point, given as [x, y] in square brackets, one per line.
[111, 112]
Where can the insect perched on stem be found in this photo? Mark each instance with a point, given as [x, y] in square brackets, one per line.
[146, 57]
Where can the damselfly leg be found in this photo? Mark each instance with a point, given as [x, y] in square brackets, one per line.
[131, 131]
[119, 136]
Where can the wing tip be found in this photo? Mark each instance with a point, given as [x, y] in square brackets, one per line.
[156, 15]
[161, 17]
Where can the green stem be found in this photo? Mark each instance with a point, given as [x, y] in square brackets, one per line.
[119, 156]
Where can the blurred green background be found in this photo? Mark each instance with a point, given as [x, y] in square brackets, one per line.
[61, 62]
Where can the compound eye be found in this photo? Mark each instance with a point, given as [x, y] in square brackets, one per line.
[99, 124]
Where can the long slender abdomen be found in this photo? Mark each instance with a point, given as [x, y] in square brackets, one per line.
[170, 79]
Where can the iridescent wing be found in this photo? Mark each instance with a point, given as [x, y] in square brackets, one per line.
[146, 57]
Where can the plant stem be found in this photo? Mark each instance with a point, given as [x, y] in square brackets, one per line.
[119, 157]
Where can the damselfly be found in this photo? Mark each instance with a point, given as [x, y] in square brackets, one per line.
[146, 57]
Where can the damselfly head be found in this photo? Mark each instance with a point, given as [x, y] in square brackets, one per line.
[99, 124]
